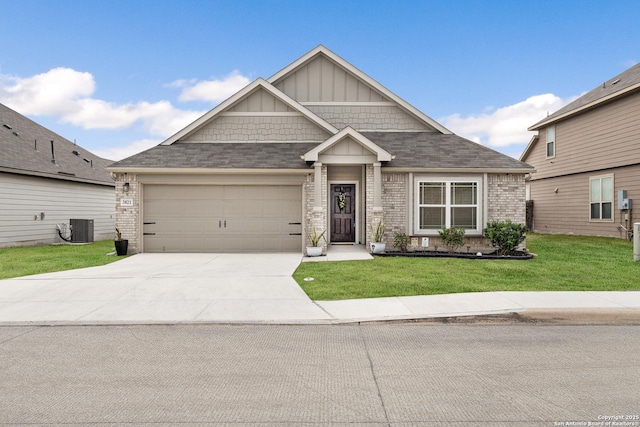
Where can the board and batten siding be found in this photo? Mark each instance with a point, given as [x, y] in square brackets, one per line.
[23, 198]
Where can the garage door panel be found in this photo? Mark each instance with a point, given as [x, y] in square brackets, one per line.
[227, 218]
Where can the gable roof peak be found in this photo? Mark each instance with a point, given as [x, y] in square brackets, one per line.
[322, 50]
[258, 83]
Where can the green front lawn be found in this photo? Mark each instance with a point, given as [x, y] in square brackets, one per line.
[24, 261]
[564, 263]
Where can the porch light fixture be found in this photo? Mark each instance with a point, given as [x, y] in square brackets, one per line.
[125, 187]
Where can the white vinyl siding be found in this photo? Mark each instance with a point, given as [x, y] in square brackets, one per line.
[447, 203]
[25, 199]
[601, 198]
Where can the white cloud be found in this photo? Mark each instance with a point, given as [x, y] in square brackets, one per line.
[119, 153]
[506, 126]
[55, 92]
[66, 94]
[211, 90]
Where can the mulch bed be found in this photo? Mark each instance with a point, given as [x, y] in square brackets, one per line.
[433, 254]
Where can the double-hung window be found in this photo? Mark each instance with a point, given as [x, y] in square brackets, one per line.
[601, 197]
[448, 203]
[551, 141]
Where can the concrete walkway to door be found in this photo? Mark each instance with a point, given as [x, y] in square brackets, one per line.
[164, 288]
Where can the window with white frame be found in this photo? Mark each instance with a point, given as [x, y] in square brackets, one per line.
[447, 203]
[601, 198]
[551, 141]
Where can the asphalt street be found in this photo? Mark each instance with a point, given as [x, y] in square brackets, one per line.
[341, 375]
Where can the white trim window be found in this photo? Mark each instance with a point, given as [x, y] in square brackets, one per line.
[448, 203]
[551, 142]
[601, 198]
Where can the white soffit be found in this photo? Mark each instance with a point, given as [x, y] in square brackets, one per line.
[241, 94]
[348, 132]
[320, 49]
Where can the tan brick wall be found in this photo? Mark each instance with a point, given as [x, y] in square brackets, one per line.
[127, 217]
[506, 197]
[311, 217]
[394, 203]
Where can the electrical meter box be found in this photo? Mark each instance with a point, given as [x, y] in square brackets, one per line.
[623, 202]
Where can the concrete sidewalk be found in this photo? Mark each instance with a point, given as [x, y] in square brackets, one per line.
[243, 288]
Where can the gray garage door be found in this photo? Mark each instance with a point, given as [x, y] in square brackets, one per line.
[222, 218]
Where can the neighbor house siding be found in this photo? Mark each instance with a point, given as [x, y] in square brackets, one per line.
[602, 141]
[368, 117]
[258, 128]
[567, 209]
[24, 198]
[603, 138]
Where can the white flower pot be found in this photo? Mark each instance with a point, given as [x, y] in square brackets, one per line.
[378, 247]
[314, 250]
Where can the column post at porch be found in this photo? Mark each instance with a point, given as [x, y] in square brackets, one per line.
[317, 186]
[377, 186]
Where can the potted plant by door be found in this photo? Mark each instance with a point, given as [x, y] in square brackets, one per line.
[121, 244]
[377, 237]
[314, 238]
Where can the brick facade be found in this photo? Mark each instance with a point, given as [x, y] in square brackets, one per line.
[127, 216]
[506, 198]
[395, 188]
[313, 218]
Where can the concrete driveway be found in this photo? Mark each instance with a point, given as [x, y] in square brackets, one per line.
[165, 288]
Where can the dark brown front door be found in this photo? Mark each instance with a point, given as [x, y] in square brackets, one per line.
[343, 213]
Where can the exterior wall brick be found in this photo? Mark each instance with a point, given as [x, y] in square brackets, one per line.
[313, 218]
[506, 198]
[368, 117]
[260, 129]
[127, 217]
[372, 217]
[394, 203]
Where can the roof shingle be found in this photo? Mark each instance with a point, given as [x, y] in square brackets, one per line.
[25, 148]
[417, 150]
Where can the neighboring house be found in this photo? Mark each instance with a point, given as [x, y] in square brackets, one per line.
[47, 180]
[587, 160]
[319, 144]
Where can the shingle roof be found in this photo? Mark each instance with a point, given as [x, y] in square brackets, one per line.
[418, 150]
[230, 155]
[18, 154]
[433, 150]
[617, 85]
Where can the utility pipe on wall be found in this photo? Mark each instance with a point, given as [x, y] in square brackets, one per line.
[636, 241]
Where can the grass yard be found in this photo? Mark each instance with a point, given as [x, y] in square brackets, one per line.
[24, 261]
[564, 263]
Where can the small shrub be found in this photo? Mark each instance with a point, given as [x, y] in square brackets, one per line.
[505, 235]
[401, 241]
[452, 238]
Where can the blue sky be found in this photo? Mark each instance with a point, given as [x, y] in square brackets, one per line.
[121, 76]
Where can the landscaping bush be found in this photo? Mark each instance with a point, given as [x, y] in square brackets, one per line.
[505, 235]
[401, 241]
[452, 238]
